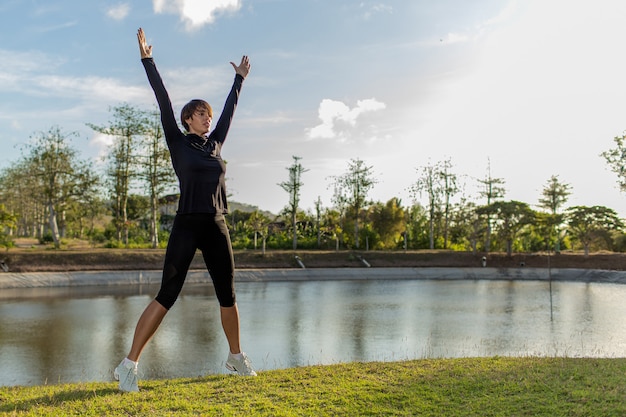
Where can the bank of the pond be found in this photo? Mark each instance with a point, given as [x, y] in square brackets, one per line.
[23, 259]
[114, 278]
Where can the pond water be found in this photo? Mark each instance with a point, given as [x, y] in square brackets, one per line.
[58, 335]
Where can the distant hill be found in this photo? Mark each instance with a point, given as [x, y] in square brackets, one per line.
[248, 208]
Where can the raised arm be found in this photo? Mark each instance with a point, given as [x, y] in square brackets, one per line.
[168, 119]
[223, 124]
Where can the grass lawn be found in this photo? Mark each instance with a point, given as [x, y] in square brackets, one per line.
[495, 386]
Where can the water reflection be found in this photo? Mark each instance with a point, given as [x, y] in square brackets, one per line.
[79, 334]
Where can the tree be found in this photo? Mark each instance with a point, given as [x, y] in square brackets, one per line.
[155, 169]
[388, 220]
[259, 223]
[468, 226]
[354, 186]
[616, 158]
[7, 223]
[511, 217]
[588, 223]
[555, 195]
[293, 186]
[318, 220]
[416, 233]
[18, 193]
[128, 124]
[339, 200]
[449, 187]
[59, 174]
[492, 189]
[439, 185]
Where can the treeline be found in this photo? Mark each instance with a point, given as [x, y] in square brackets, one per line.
[51, 194]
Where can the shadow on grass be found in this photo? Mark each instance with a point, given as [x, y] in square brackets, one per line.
[56, 399]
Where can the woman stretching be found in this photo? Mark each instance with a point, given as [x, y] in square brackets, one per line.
[199, 221]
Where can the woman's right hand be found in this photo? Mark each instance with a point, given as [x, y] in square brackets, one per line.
[144, 48]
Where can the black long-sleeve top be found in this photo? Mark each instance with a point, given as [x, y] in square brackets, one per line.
[197, 160]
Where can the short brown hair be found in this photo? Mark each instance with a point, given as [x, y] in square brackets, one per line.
[190, 108]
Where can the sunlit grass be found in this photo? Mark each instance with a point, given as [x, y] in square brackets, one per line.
[429, 387]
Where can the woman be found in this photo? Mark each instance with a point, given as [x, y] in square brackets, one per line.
[199, 221]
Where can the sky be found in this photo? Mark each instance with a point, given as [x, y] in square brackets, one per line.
[528, 89]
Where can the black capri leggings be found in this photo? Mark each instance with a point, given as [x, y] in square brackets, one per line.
[209, 233]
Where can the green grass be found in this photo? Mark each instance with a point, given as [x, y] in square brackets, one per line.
[496, 386]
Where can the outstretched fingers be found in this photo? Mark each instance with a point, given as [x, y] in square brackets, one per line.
[144, 49]
[243, 68]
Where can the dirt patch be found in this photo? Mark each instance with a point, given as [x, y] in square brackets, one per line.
[42, 260]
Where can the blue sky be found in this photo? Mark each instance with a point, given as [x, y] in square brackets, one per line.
[535, 87]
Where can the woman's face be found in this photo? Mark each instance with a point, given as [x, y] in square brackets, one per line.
[200, 122]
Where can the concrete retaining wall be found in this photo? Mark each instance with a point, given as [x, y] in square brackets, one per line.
[103, 278]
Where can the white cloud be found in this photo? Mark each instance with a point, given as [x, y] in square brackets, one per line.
[374, 9]
[332, 113]
[102, 143]
[119, 11]
[196, 13]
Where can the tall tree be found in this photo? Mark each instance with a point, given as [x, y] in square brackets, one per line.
[338, 199]
[616, 158]
[588, 223]
[491, 189]
[293, 186]
[554, 197]
[355, 184]
[439, 185]
[155, 169]
[449, 186]
[126, 127]
[318, 220]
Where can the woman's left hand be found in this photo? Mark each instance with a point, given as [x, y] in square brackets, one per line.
[243, 68]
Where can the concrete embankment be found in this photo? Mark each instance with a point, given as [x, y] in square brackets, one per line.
[109, 278]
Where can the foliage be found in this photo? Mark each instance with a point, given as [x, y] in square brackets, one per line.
[7, 222]
[440, 185]
[127, 125]
[292, 187]
[616, 158]
[57, 179]
[352, 189]
[492, 190]
[511, 217]
[154, 169]
[388, 222]
[589, 224]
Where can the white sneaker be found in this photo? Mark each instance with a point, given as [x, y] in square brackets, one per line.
[241, 366]
[127, 375]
